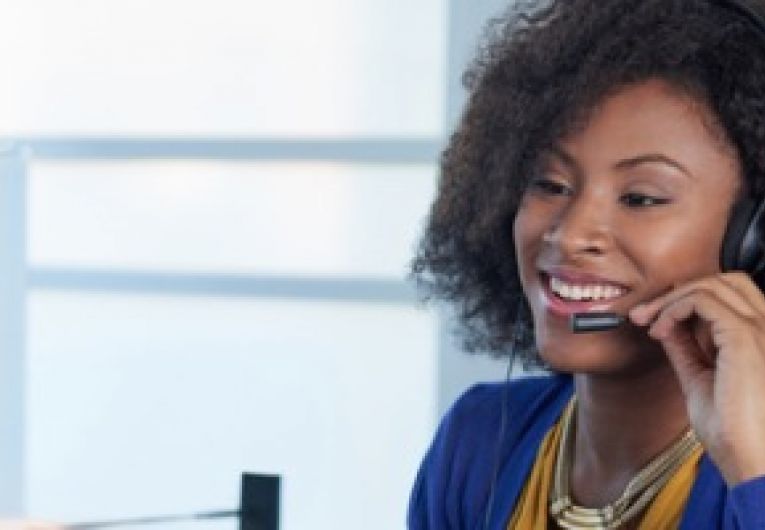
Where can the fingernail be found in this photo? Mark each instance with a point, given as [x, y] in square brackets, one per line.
[636, 310]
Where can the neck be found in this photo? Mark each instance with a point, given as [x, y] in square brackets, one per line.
[621, 425]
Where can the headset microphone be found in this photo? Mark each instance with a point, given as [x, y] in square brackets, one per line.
[595, 321]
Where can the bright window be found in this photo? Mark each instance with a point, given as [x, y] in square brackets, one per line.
[282, 218]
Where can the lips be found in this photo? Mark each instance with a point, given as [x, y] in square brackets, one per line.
[565, 308]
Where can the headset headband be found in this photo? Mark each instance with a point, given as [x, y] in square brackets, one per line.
[751, 10]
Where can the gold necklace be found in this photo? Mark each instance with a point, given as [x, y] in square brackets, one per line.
[638, 493]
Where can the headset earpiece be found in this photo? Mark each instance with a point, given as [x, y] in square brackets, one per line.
[738, 225]
[743, 247]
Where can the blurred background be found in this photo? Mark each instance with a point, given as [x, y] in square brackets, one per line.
[207, 210]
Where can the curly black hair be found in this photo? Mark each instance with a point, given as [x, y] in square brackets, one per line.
[542, 70]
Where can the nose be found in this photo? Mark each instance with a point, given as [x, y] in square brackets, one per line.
[582, 228]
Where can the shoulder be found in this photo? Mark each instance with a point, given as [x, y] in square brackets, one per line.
[520, 389]
[746, 503]
[453, 480]
[468, 431]
[483, 402]
[712, 504]
[466, 442]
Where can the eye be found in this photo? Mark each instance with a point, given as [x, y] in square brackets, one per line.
[638, 200]
[548, 187]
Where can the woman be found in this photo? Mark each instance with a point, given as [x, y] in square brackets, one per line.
[604, 151]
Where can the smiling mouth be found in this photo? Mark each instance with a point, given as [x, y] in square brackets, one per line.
[590, 292]
[566, 298]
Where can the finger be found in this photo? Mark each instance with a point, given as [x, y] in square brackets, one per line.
[707, 305]
[714, 285]
[703, 336]
[745, 286]
[692, 363]
[724, 290]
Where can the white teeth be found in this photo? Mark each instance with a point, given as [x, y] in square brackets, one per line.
[564, 290]
[584, 292]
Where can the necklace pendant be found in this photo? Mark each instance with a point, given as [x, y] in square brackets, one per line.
[560, 505]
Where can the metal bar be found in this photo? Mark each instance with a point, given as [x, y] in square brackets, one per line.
[259, 509]
[370, 150]
[235, 285]
[158, 519]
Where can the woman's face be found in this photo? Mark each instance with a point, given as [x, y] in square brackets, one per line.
[626, 208]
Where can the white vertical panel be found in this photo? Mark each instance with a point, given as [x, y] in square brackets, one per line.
[12, 293]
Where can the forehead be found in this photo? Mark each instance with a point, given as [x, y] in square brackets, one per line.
[653, 117]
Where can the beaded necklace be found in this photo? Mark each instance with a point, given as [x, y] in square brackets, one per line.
[637, 495]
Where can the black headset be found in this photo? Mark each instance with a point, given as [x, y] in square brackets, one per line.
[743, 246]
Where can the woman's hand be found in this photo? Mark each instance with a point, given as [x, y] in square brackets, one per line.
[713, 331]
[18, 524]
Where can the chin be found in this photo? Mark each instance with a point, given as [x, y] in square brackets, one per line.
[611, 353]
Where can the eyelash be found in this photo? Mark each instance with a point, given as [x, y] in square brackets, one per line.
[632, 200]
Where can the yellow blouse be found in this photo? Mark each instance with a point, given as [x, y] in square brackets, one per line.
[664, 513]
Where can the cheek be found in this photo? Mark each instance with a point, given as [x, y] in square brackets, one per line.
[688, 247]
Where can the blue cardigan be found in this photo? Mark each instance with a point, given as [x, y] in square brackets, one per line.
[452, 485]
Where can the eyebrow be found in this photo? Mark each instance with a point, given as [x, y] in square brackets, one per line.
[627, 163]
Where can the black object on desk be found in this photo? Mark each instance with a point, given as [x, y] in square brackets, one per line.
[260, 502]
